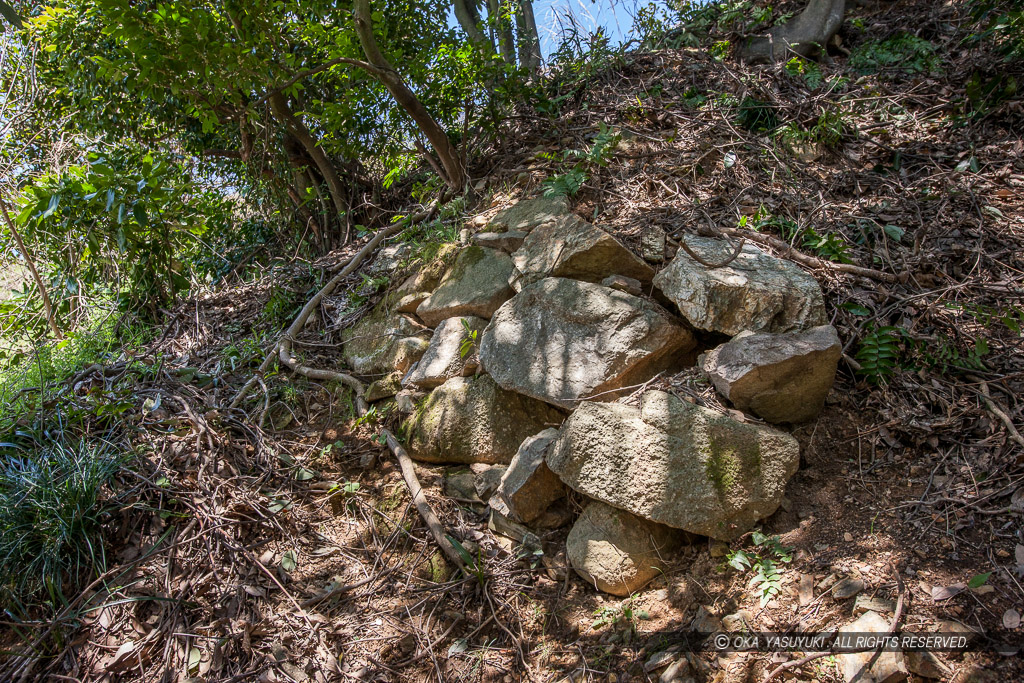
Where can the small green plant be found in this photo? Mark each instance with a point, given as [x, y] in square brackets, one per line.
[762, 559]
[52, 504]
[468, 344]
[901, 52]
[720, 49]
[879, 352]
[474, 566]
[565, 184]
[830, 245]
[624, 613]
[807, 71]
[757, 116]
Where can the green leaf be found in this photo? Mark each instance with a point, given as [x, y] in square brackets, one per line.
[894, 232]
[290, 561]
[139, 211]
[978, 580]
[302, 474]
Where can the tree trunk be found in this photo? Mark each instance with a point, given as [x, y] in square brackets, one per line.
[406, 98]
[47, 306]
[504, 30]
[805, 35]
[297, 128]
[469, 20]
[529, 41]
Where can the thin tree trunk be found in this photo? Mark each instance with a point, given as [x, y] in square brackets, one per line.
[297, 128]
[529, 41]
[406, 98]
[47, 306]
[504, 30]
[468, 20]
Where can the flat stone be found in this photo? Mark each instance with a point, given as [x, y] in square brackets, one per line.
[616, 551]
[528, 486]
[444, 356]
[476, 284]
[527, 214]
[563, 340]
[374, 344]
[755, 291]
[871, 667]
[391, 258]
[487, 480]
[778, 377]
[502, 241]
[676, 463]
[385, 387]
[652, 243]
[623, 284]
[467, 420]
[408, 351]
[406, 400]
[460, 485]
[571, 247]
[410, 302]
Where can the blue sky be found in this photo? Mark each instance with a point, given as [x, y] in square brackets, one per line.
[614, 16]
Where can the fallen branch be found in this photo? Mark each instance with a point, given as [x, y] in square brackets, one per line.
[813, 261]
[311, 305]
[997, 411]
[404, 461]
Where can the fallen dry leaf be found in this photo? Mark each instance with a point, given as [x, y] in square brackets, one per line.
[946, 592]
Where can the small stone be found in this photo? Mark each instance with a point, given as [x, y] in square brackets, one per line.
[719, 549]
[926, 665]
[617, 552]
[528, 486]
[883, 667]
[659, 660]
[676, 672]
[778, 377]
[738, 621]
[472, 419]
[755, 291]
[384, 388]
[452, 352]
[847, 588]
[848, 537]
[502, 241]
[805, 592]
[652, 243]
[705, 622]
[406, 400]
[527, 214]
[864, 603]
[410, 302]
[407, 351]
[487, 480]
[573, 248]
[623, 284]
[461, 485]
[476, 284]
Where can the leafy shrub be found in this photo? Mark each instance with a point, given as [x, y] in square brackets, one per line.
[52, 503]
[879, 353]
[762, 559]
[901, 52]
[757, 116]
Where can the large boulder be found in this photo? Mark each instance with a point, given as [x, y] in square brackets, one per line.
[572, 247]
[476, 284]
[617, 552]
[467, 420]
[444, 357]
[528, 486]
[526, 214]
[676, 463]
[754, 291]
[779, 377]
[374, 345]
[562, 340]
